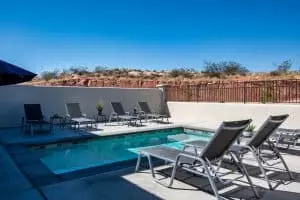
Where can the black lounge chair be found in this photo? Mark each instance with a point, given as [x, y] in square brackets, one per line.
[149, 114]
[34, 117]
[205, 163]
[285, 137]
[77, 117]
[255, 144]
[120, 115]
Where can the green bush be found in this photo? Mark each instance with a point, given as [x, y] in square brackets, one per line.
[234, 68]
[212, 69]
[100, 69]
[250, 128]
[282, 68]
[221, 69]
[99, 106]
[184, 72]
[275, 73]
[80, 70]
[48, 75]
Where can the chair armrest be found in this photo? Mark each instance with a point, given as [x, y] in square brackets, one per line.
[192, 146]
[194, 157]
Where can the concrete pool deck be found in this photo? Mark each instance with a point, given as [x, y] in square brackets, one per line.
[125, 184]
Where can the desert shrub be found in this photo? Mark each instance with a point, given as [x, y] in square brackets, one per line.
[212, 69]
[100, 69]
[184, 72]
[275, 73]
[80, 70]
[234, 68]
[64, 72]
[48, 75]
[220, 69]
[120, 72]
[282, 68]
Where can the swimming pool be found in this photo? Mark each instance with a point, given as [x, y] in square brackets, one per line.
[68, 157]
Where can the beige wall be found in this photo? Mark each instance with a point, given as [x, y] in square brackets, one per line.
[210, 115]
[53, 99]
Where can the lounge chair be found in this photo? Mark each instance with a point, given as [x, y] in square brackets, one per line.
[120, 115]
[77, 117]
[34, 117]
[205, 163]
[284, 136]
[255, 144]
[147, 112]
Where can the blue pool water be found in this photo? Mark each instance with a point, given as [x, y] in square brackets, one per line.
[71, 157]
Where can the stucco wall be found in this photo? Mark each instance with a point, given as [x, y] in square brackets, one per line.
[53, 99]
[210, 115]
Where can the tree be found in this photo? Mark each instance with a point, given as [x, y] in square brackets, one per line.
[284, 66]
[48, 75]
[213, 69]
[80, 70]
[184, 72]
[234, 68]
[100, 69]
[220, 69]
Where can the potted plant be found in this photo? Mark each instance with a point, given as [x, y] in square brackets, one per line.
[249, 131]
[99, 107]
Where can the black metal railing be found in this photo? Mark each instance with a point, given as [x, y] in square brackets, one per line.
[271, 91]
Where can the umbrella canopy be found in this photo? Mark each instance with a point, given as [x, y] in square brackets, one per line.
[11, 74]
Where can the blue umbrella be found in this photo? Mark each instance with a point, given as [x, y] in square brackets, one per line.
[11, 74]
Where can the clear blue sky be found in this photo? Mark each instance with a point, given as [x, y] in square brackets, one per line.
[157, 34]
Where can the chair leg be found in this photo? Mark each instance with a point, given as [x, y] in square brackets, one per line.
[151, 166]
[137, 167]
[244, 169]
[296, 141]
[211, 180]
[173, 173]
[153, 172]
[50, 128]
[278, 155]
[109, 119]
[31, 130]
[22, 124]
[263, 171]
[284, 163]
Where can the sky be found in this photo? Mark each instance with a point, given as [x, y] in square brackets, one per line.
[42, 35]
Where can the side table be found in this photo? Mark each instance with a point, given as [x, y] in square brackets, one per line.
[101, 118]
[60, 120]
